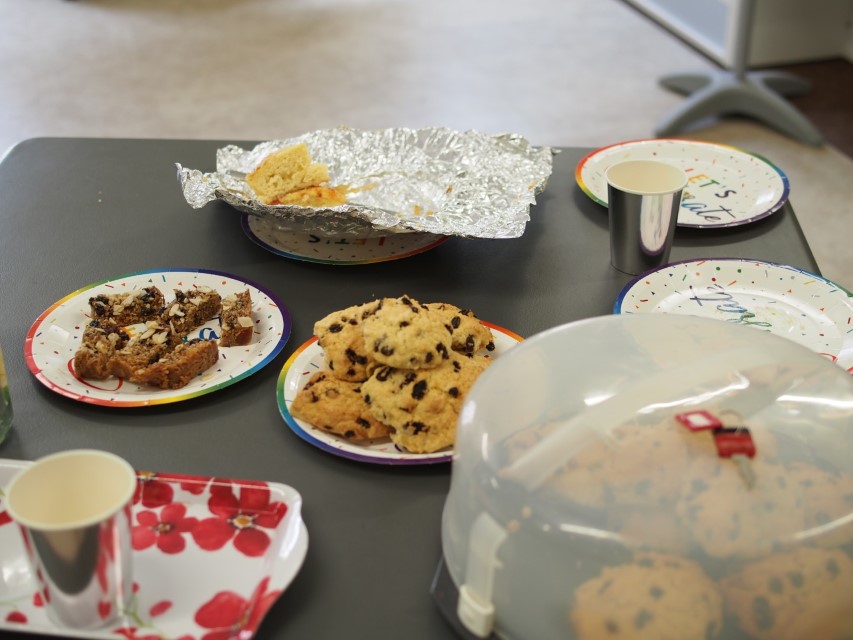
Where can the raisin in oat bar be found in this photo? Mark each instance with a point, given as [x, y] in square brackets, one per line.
[132, 307]
[235, 320]
[101, 339]
[178, 367]
[192, 308]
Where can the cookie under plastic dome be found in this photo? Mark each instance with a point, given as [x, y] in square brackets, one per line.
[654, 476]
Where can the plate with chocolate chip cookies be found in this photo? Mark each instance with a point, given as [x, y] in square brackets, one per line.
[383, 381]
[155, 337]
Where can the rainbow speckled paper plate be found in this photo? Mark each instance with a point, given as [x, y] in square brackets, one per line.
[726, 186]
[340, 249]
[55, 336]
[308, 359]
[783, 300]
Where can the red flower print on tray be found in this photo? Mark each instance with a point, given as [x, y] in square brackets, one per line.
[16, 616]
[229, 615]
[165, 530]
[5, 518]
[132, 633]
[242, 516]
[157, 489]
[192, 484]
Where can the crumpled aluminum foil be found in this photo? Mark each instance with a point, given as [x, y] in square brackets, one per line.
[401, 180]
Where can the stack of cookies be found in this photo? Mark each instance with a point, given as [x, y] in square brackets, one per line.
[711, 555]
[395, 368]
[786, 596]
[141, 338]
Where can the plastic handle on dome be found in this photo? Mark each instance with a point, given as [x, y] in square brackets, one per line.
[699, 420]
[671, 387]
[735, 443]
[474, 607]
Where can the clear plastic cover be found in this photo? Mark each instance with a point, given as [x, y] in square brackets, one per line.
[656, 472]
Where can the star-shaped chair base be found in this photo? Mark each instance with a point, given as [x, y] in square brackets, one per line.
[756, 94]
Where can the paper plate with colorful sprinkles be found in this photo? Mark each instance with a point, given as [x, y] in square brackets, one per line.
[726, 186]
[340, 249]
[55, 337]
[781, 299]
[308, 359]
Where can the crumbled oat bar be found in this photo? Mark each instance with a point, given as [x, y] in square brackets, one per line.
[132, 307]
[192, 308]
[101, 339]
[143, 349]
[177, 368]
[235, 321]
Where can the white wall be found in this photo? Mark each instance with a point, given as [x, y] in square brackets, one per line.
[791, 31]
[784, 31]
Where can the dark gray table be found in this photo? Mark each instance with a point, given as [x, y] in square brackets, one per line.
[76, 211]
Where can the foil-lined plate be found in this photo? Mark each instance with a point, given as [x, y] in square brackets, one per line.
[398, 180]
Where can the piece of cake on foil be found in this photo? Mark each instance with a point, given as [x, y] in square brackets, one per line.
[290, 176]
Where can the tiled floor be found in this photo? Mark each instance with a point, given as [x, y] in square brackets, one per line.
[561, 72]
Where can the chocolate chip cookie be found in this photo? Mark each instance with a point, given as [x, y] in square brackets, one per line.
[647, 475]
[827, 501]
[341, 337]
[336, 406]
[728, 518]
[404, 333]
[467, 333]
[655, 597]
[791, 596]
[422, 406]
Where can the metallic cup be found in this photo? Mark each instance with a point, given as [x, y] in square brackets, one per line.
[73, 511]
[643, 199]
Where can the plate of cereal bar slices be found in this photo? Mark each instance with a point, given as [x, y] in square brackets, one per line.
[383, 381]
[156, 337]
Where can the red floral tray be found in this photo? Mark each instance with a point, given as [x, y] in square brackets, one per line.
[211, 556]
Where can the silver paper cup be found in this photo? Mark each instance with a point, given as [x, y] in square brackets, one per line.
[643, 198]
[73, 511]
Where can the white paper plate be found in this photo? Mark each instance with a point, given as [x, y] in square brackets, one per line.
[726, 186]
[55, 337]
[309, 358]
[336, 249]
[783, 300]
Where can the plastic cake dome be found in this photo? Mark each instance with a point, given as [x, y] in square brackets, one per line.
[654, 476]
